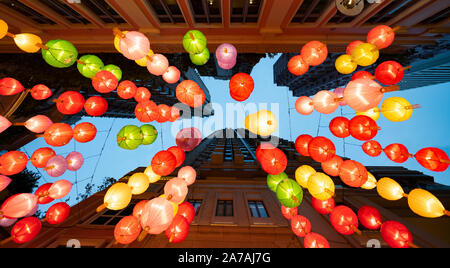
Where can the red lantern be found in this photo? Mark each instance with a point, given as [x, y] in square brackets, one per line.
[84, 132]
[139, 208]
[42, 194]
[186, 210]
[41, 156]
[163, 113]
[96, 106]
[396, 235]
[178, 229]
[126, 89]
[57, 213]
[188, 138]
[241, 86]
[261, 147]
[142, 94]
[352, 46]
[369, 217]
[163, 163]
[372, 148]
[41, 92]
[389, 72]
[397, 152]
[304, 105]
[321, 149]
[179, 155]
[146, 111]
[363, 94]
[25, 230]
[18, 205]
[58, 134]
[297, 66]
[314, 240]
[289, 213]
[362, 74]
[433, 159]
[190, 93]
[353, 173]
[127, 230]
[363, 128]
[13, 162]
[344, 220]
[4, 182]
[324, 207]
[300, 225]
[171, 75]
[381, 36]
[70, 102]
[10, 86]
[104, 81]
[332, 167]
[339, 127]
[325, 102]
[174, 114]
[273, 161]
[314, 53]
[301, 144]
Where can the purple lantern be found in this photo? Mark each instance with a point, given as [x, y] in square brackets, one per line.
[6, 222]
[56, 166]
[226, 66]
[134, 45]
[226, 53]
[340, 94]
[74, 161]
[4, 182]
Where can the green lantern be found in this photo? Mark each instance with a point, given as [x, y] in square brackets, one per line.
[115, 70]
[149, 134]
[89, 65]
[289, 193]
[200, 58]
[129, 137]
[274, 180]
[194, 42]
[60, 53]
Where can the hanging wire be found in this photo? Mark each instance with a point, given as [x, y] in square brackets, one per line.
[289, 114]
[343, 139]
[318, 125]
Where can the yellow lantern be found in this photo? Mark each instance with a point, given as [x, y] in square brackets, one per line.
[117, 40]
[117, 197]
[27, 42]
[390, 189]
[138, 183]
[397, 109]
[3, 28]
[152, 176]
[365, 54]
[373, 113]
[262, 123]
[143, 62]
[345, 65]
[425, 204]
[321, 186]
[302, 174]
[174, 205]
[370, 183]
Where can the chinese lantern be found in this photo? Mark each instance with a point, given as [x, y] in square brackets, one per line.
[396, 235]
[129, 137]
[59, 189]
[352, 45]
[314, 53]
[369, 217]
[302, 174]
[179, 155]
[104, 81]
[149, 134]
[373, 113]
[57, 213]
[25, 230]
[289, 193]
[203, 57]
[139, 208]
[163, 163]
[115, 70]
[174, 114]
[10, 86]
[339, 127]
[389, 189]
[325, 102]
[190, 93]
[301, 144]
[59, 53]
[362, 74]
[274, 180]
[89, 65]
[3, 29]
[163, 113]
[37, 124]
[425, 204]
[324, 207]
[363, 128]
[133, 45]
[175, 190]
[433, 159]
[152, 176]
[187, 210]
[389, 72]
[96, 106]
[117, 197]
[18, 205]
[370, 183]
[28, 42]
[127, 230]
[397, 109]
[146, 111]
[58, 134]
[226, 53]
[4, 124]
[74, 161]
[84, 132]
[381, 36]
[304, 105]
[42, 193]
[126, 89]
[40, 92]
[273, 161]
[70, 102]
[241, 86]
[345, 65]
[142, 94]
[363, 94]
[7, 222]
[332, 167]
[397, 152]
[321, 186]
[177, 230]
[300, 225]
[321, 149]
[138, 183]
[188, 138]
[4, 182]
[263, 123]
[372, 148]
[13, 162]
[117, 36]
[297, 66]
[339, 91]
[225, 66]
[56, 166]
[194, 42]
[289, 213]
[171, 75]
[263, 146]
[157, 64]
[353, 173]
[156, 217]
[314, 240]
[344, 220]
[33, 211]
[365, 54]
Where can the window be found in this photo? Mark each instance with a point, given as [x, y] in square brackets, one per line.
[257, 209]
[224, 208]
[196, 203]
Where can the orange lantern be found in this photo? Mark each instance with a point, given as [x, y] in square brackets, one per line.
[146, 111]
[363, 128]
[301, 144]
[433, 159]
[339, 127]
[332, 167]
[397, 152]
[40, 157]
[273, 161]
[58, 134]
[314, 53]
[126, 89]
[297, 66]
[127, 230]
[13, 162]
[163, 163]
[241, 86]
[84, 132]
[372, 148]
[177, 230]
[190, 93]
[178, 153]
[381, 36]
[321, 149]
[353, 173]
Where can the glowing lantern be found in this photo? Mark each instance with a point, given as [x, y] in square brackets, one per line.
[146, 111]
[262, 123]
[59, 189]
[194, 42]
[96, 106]
[163, 113]
[38, 123]
[142, 94]
[274, 180]
[56, 166]
[127, 230]
[332, 167]
[302, 174]
[373, 113]
[143, 61]
[89, 65]
[171, 75]
[57, 213]
[397, 152]
[138, 183]
[187, 210]
[116, 71]
[139, 208]
[129, 137]
[339, 127]
[104, 82]
[174, 114]
[84, 132]
[273, 161]
[396, 235]
[126, 89]
[25, 230]
[157, 64]
[362, 74]
[324, 207]
[300, 225]
[226, 53]
[369, 217]
[163, 163]
[389, 189]
[321, 186]
[370, 183]
[7, 222]
[33, 211]
[74, 161]
[353, 173]
[304, 105]
[425, 204]
[4, 123]
[314, 240]
[397, 109]
[372, 148]
[321, 149]
[13, 162]
[203, 57]
[433, 159]
[117, 36]
[4, 182]
[188, 138]
[58, 134]
[314, 53]
[352, 45]
[152, 176]
[381, 36]
[389, 72]
[176, 190]
[190, 93]
[156, 217]
[289, 193]
[339, 91]
[177, 230]
[10, 86]
[18, 205]
[363, 128]
[178, 153]
[3, 29]
[133, 45]
[149, 134]
[289, 213]
[297, 66]
[42, 193]
[29, 43]
[344, 220]
[40, 92]
[241, 86]
[301, 144]
[345, 65]
[263, 146]
[363, 94]
[70, 102]
[365, 54]
[225, 66]
[60, 53]
[117, 197]
[188, 174]
[325, 102]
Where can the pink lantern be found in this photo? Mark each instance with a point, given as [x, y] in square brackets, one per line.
[325, 102]
[188, 138]
[226, 66]
[4, 182]
[157, 64]
[340, 94]
[59, 189]
[171, 75]
[6, 222]
[4, 123]
[363, 94]
[56, 166]
[33, 211]
[74, 161]
[175, 190]
[226, 53]
[304, 105]
[38, 123]
[18, 205]
[157, 215]
[188, 174]
[134, 45]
